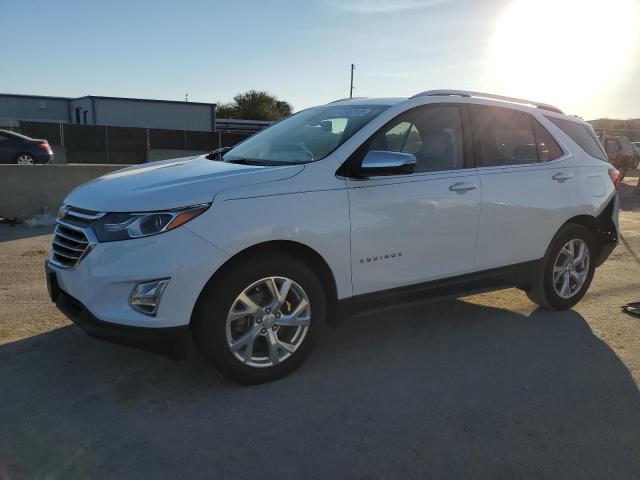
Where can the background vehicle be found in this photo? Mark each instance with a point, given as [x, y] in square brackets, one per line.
[621, 153]
[338, 209]
[23, 150]
[636, 148]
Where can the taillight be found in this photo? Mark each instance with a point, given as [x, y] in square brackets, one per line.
[46, 146]
[614, 175]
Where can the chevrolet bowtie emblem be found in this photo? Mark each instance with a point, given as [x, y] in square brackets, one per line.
[62, 212]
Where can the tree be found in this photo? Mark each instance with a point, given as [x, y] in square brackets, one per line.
[255, 105]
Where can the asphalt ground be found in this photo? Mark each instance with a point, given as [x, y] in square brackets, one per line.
[487, 386]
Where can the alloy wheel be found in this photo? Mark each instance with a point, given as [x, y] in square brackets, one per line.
[268, 322]
[24, 159]
[571, 268]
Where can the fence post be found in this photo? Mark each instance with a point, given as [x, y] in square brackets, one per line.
[106, 140]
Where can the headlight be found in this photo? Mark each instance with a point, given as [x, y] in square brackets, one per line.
[123, 226]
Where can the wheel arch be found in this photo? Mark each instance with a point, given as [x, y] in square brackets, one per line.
[603, 228]
[298, 250]
[584, 220]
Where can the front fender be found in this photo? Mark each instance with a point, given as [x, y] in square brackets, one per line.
[317, 219]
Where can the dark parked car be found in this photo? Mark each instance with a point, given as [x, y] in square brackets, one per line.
[23, 150]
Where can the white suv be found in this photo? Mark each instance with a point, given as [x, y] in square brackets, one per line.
[336, 210]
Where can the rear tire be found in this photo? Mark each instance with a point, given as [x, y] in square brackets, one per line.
[567, 269]
[24, 158]
[240, 309]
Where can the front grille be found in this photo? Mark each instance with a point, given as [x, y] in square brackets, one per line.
[78, 216]
[73, 238]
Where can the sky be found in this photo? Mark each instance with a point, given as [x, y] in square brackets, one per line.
[581, 55]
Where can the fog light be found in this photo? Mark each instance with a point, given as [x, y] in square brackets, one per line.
[145, 297]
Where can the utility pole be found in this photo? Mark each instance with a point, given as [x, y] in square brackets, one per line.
[353, 67]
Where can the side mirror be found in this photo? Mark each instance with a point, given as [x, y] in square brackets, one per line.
[378, 162]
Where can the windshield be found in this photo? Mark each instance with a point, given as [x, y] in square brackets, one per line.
[307, 136]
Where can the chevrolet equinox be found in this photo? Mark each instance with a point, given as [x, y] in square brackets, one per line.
[336, 210]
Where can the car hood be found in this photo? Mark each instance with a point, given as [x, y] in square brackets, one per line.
[170, 184]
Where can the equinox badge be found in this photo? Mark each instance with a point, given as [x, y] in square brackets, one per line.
[386, 256]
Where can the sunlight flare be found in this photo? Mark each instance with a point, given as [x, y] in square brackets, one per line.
[567, 52]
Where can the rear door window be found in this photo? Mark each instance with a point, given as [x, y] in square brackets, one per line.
[504, 137]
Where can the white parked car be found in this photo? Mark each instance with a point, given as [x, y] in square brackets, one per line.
[335, 210]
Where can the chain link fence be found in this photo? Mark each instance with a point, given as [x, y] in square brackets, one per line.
[127, 145]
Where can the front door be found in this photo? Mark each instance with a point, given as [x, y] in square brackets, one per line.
[413, 228]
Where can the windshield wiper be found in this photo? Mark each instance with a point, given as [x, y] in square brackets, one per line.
[245, 161]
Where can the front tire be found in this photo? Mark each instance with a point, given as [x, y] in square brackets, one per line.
[567, 269]
[260, 319]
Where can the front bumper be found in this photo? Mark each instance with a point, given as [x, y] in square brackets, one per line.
[101, 283]
[75, 311]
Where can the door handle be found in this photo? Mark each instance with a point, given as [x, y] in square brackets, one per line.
[561, 177]
[462, 187]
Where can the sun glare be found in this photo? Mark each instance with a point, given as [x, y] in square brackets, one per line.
[567, 52]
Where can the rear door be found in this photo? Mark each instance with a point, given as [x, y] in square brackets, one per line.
[528, 187]
[412, 228]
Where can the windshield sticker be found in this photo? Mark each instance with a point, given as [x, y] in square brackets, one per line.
[353, 112]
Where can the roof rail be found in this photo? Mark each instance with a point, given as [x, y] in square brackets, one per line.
[465, 93]
[347, 98]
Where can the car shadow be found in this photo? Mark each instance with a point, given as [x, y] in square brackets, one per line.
[447, 390]
[633, 253]
[629, 195]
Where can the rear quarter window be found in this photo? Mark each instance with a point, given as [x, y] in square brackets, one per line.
[582, 135]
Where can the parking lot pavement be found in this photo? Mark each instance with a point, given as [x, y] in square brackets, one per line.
[487, 386]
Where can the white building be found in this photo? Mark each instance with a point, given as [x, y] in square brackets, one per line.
[121, 112]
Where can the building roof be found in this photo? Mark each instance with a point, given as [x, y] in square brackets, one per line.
[44, 97]
[48, 97]
[129, 99]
